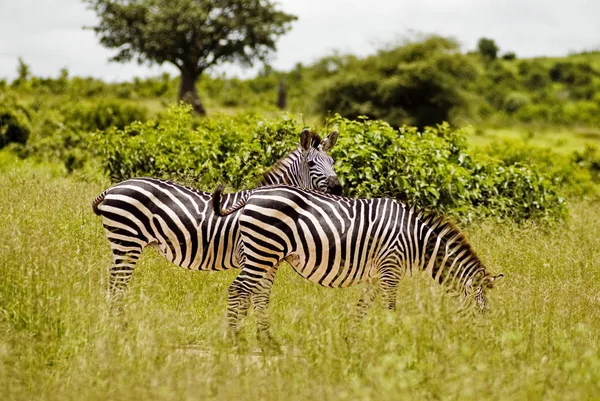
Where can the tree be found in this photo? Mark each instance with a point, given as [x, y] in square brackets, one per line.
[488, 48]
[422, 82]
[193, 35]
[23, 72]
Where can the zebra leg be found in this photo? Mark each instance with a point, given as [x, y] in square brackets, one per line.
[238, 302]
[365, 302]
[121, 270]
[389, 287]
[261, 303]
[369, 295]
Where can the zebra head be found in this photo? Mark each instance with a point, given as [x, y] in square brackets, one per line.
[316, 165]
[477, 286]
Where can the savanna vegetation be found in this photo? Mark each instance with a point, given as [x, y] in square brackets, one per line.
[58, 339]
[507, 147]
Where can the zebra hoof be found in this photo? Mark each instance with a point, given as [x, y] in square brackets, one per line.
[269, 345]
[237, 341]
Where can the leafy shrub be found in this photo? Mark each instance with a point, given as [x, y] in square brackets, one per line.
[14, 124]
[515, 100]
[235, 150]
[432, 169]
[103, 115]
[487, 48]
[418, 83]
[497, 83]
[573, 174]
[509, 56]
[429, 168]
[589, 159]
[560, 113]
[571, 73]
[535, 76]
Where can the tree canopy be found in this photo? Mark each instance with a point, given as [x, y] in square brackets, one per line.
[193, 35]
[419, 82]
[488, 48]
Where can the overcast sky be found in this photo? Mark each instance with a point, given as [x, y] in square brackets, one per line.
[48, 34]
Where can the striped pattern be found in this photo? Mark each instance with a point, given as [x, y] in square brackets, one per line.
[180, 222]
[339, 242]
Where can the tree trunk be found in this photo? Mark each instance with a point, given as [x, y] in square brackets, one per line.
[281, 94]
[188, 93]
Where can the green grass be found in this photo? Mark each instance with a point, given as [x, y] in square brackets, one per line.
[561, 140]
[58, 340]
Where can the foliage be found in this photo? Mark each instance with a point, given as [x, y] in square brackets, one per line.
[191, 35]
[576, 175]
[15, 124]
[418, 83]
[103, 115]
[422, 82]
[57, 128]
[23, 73]
[488, 48]
[534, 75]
[515, 100]
[509, 56]
[432, 169]
[235, 150]
[429, 168]
[589, 159]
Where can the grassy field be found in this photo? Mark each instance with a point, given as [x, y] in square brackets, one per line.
[563, 140]
[59, 342]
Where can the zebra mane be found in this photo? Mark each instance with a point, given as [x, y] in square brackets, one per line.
[279, 165]
[440, 224]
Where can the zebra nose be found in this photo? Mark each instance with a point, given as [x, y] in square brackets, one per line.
[333, 185]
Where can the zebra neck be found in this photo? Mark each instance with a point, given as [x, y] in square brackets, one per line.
[285, 171]
[447, 254]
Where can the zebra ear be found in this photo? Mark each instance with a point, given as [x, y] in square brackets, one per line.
[306, 140]
[329, 141]
[491, 280]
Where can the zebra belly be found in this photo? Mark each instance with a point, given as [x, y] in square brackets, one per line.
[334, 275]
[200, 261]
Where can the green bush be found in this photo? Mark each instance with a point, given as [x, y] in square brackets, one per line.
[589, 159]
[432, 169]
[515, 100]
[534, 74]
[234, 150]
[14, 124]
[103, 114]
[487, 48]
[419, 83]
[573, 174]
[560, 113]
[509, 56]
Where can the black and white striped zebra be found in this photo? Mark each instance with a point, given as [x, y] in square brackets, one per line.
[339, 242]
[180, 222]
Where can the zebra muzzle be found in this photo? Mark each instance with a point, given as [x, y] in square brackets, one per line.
[333, 185]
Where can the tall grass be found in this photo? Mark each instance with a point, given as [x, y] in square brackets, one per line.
[58, 340]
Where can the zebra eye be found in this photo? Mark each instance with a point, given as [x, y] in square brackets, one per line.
[311, 163]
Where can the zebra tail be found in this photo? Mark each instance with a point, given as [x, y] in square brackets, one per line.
[216, 198]
[96, 202]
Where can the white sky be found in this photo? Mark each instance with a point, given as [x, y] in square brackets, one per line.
[48, 34]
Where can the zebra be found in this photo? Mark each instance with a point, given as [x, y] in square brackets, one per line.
[340, 242]
[180, 223]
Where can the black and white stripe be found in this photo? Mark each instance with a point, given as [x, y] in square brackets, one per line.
[340, 242]
[180, 222]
